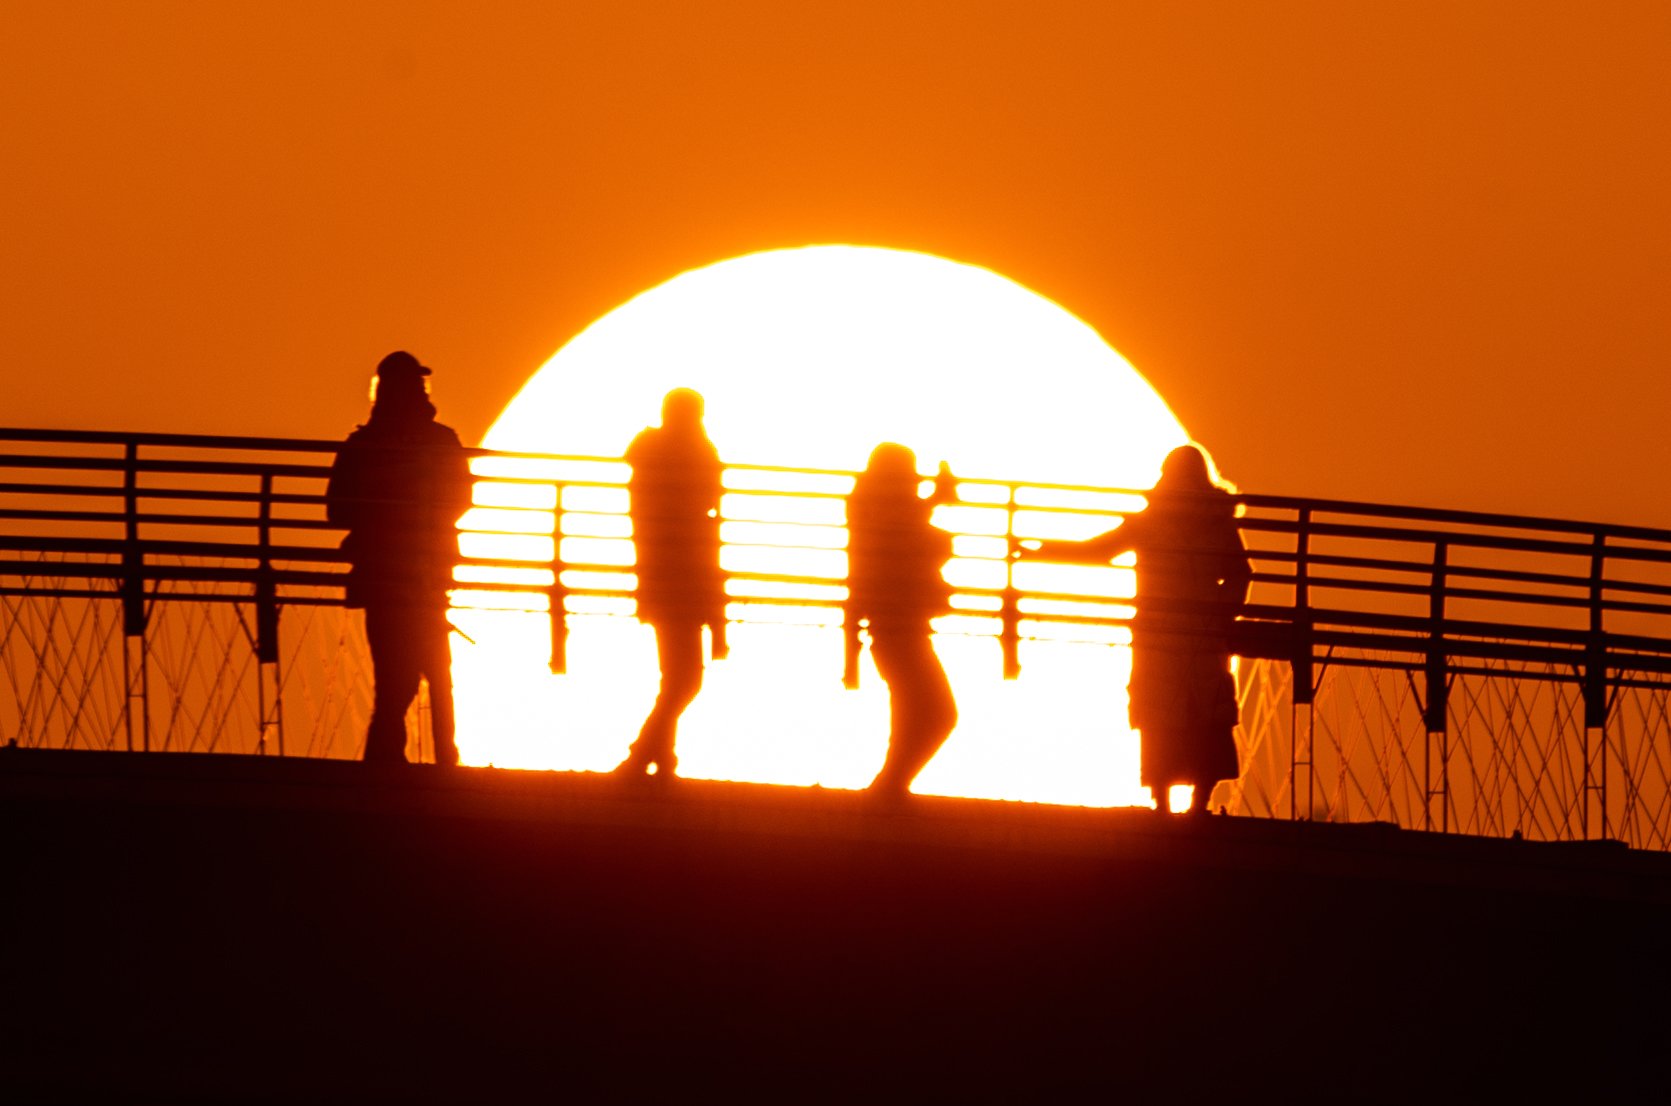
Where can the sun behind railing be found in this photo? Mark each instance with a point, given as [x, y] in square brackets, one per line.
[555, 534]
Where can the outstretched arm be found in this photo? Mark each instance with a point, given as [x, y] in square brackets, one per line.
[1100, 549]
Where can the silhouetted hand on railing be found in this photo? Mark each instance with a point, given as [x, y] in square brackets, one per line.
[945, 485]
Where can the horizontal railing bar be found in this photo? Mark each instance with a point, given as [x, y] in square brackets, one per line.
[1426, 568]
[1606, 603]
[1336, 560]
[116, 491]
[547, 482]
[1421, 630]
[194, 441]
[1452, 538]
[1390, 587]
[305, 445]
[1261, 501]
[115, 547]
[33, 592]
[119, 518]
[1454, 517]
[198, 468]
[1341, 574]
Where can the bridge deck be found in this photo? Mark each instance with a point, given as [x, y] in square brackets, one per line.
[215, 926]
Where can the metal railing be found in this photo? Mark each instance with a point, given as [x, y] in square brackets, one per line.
[1425, 605]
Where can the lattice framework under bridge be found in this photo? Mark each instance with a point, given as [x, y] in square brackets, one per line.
[1446, 670]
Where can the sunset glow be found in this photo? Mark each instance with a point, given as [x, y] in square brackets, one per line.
[808, 358]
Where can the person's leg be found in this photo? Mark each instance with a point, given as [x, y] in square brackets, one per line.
[642, 752]
[1201, 796]
[395, 668]
[679, 651]
[438, 671]
[885, 651]
[933, 708]
[921, 709]
[1160, 771]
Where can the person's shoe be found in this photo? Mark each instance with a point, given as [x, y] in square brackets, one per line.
[629, 767]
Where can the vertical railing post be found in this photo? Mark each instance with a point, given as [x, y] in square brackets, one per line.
[851, 645]
[558, 592]
[267, 623]
[1009, 632]
[1302, 661]
[1595, 692]
[1436, 703]
[136, 675]
[1302, 672]
[133, 557]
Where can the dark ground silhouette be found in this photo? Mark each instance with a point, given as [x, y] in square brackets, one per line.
[398, 486]
[186, 928]
[675, 492]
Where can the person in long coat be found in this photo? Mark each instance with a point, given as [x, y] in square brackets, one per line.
[895, 556]
[1192, 581]
[675, 494]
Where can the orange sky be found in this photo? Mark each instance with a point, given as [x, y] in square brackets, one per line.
[1408, 252]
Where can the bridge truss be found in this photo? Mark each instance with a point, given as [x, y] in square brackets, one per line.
[1442, 670]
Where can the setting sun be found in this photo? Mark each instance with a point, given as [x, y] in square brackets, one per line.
[808, 358]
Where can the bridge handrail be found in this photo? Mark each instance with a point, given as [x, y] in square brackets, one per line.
[1322, 547]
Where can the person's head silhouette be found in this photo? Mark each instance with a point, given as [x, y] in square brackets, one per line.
[1184, 471]
[682, 410]
[892, 468]
[401, 387]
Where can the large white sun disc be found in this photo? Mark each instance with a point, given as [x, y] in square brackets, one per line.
[812, 356]
[809, 358]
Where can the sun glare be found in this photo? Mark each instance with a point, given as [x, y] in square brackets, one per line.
[809, 358]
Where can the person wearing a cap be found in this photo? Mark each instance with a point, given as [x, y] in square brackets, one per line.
[398, 486]
[675, 493]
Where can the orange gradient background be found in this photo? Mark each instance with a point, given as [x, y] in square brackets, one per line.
[1410, 252]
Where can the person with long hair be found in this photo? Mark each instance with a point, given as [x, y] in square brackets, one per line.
[1192, 581]
[895, 556]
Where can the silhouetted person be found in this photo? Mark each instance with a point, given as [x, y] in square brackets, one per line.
[675, 490]
[895, 556]
[1192, 579]
[399, 485]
